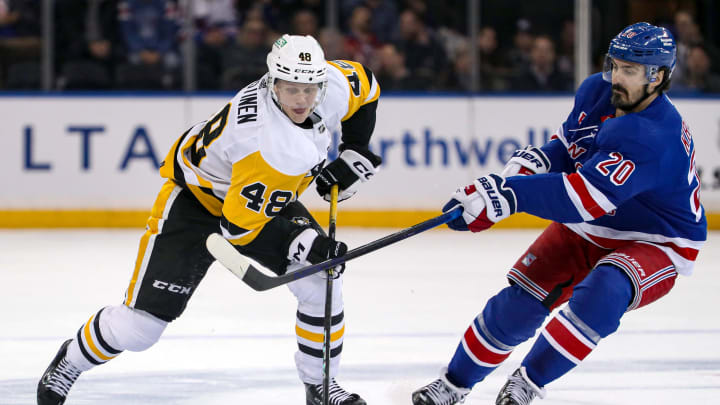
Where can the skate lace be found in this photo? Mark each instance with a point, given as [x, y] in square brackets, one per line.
[441, 394]
[519, 390]
[62, 378]
[337, 395]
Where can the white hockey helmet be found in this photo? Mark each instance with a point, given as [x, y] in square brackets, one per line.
[298, 59]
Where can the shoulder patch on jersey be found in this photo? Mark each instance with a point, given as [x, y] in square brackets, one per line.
[581, 117]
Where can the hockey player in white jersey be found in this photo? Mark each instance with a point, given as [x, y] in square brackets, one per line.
[241, 172]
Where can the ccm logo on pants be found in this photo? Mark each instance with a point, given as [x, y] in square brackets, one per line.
[173, 288]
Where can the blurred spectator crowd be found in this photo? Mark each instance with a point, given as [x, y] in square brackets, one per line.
[408, 44]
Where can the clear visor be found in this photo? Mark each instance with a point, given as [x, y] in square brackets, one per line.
[648, 72]
[298, 95]
[607, 69]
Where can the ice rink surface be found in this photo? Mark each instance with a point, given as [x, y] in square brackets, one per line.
[406, 307]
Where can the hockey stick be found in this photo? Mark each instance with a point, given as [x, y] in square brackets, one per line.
[328, 300]
[228, 256]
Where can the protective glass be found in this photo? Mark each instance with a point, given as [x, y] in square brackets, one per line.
[298, 95]
[650, 71]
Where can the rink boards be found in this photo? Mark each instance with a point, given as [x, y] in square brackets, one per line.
[91, 161]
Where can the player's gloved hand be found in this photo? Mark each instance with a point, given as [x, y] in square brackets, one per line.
[310, 246]
[354, 164]
[530, 160]
[484, 203]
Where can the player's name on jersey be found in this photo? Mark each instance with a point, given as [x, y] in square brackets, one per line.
[247, 104]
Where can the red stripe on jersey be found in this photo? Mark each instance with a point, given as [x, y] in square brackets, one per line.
[480, 351]
[586, 199]
[567, 340]
[686, 253]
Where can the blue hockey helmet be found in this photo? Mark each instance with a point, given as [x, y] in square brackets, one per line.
[645, 44]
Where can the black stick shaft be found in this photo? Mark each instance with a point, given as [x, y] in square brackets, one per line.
[328, 300]
[261, 282]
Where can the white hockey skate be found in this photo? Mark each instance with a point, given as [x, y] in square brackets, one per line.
[337, 395]
[440, 392]
[519, 390]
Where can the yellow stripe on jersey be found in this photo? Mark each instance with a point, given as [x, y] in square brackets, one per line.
[257, 193]
[361, 91]
[304, 184]
[318, 337]
[167, 170]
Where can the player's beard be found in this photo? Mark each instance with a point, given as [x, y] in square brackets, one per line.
[627, 106]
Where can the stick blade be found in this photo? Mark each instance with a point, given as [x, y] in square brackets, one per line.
[225, 253]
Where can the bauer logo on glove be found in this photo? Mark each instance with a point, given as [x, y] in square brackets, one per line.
[530, 160]
[484, 203]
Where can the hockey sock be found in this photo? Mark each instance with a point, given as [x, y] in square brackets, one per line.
[90, 347]
[594, 312]
[112, 330]
[310, 338]
[508, 319]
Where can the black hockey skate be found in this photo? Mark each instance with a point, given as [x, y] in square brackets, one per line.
[519, 390]
[338, 396]
[440, 392]
[57, 379]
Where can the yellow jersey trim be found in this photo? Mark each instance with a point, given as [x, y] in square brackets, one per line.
[361, 91]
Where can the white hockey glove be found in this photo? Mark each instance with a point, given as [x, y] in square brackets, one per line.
[354, 165]
[309, 246]
[484, 203]
[523, 162]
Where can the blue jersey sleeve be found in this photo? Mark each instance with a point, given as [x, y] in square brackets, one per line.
[624, 165]
[538, 195]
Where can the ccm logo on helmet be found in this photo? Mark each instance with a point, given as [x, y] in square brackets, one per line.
[311, 71]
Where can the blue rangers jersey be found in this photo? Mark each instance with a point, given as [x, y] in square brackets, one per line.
[619, 179]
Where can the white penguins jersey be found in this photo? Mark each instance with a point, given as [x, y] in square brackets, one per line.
[249, 160]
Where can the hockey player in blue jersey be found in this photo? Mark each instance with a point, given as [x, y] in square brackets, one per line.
[618, 181]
